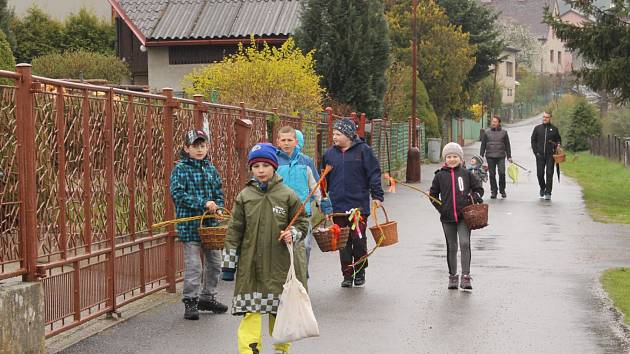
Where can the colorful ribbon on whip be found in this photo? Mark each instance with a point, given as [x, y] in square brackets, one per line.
[355, 219]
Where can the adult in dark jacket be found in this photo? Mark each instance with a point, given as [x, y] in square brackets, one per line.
[495, 146]
[356, 175]
[545, 140]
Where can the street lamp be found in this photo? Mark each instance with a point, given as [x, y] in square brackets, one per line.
[413, 155]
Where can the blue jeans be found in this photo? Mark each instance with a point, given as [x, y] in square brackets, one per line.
[194, 275]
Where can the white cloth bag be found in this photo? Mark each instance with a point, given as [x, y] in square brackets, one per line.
[295, 319]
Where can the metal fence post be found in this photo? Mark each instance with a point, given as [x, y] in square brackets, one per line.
[362, 125]
[27, 170]
[168, 154]
[111, 192]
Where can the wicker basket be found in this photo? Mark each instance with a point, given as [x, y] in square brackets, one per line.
[388, 231]
[559, 156]
[213, 237]
[476, 215]
[325, 238]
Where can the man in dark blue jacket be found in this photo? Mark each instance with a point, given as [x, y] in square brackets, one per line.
[356, 175]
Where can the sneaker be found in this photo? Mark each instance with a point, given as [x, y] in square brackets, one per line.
[191, 310]
[542, 193]
[359, 280]
[466, 282]
[547, 196]
[212, 305]
[493, 196]
[346, 283]
[503, 195]
[452, 281]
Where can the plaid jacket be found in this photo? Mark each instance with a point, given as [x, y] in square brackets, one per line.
[192, 184]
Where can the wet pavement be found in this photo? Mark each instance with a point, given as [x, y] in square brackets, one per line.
[535, 275]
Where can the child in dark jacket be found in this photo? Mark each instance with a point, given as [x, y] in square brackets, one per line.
[195, 187]
[455, 186]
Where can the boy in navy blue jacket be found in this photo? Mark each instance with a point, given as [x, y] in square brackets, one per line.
[195, 187]
[356, 175]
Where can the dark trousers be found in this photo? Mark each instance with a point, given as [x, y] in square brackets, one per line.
[493, 165]
[355, 248]
[544, 168]
[451, 232]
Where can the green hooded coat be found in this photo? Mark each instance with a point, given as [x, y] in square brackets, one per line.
[253, 249]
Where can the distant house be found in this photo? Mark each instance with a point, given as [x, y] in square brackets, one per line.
[60, 9]
[163, 40]
[575, 17]
[505, 75]
[554, 59]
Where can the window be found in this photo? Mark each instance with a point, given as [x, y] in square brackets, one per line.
[559, 57]
[551, 55]
[198, 54]
[509, 92]
[509, 69]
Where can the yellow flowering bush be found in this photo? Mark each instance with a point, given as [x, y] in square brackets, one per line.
[476, 110]
[264, 77]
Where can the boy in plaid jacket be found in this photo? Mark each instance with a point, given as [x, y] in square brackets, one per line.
[195, 186]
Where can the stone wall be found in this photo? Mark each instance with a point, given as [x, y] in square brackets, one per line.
[21, 318]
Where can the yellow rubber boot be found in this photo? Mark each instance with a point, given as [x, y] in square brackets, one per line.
[284, 347]
[250, 334]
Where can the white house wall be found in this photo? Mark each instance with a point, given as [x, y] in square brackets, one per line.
[162, 74]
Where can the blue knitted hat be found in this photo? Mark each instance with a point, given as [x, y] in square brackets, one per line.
[346, 127]
[263, 152]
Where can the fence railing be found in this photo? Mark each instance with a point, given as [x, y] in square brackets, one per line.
[612, 147]
[84, 173]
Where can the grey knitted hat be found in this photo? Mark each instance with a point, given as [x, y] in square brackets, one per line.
[453, 148]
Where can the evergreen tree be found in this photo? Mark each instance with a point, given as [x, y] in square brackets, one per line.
[85, 31]
[603, 42]
[7, 61]
[6, 17]
[584, 125]
[37, 34]
[481, 24]
[351, 43]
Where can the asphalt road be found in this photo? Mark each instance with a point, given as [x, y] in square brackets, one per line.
[536, 290]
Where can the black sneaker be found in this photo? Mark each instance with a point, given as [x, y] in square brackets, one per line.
[346, 283]
[359, 280]
[493, 196]
[212, 305]
[503, 195]
[191, 310]
[453, 281]
[542, 193]
[466, 283]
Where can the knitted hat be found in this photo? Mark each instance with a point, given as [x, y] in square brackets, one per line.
[453, 149]
[346, 127]
[192, 136]
[300, 138]
[263, 152]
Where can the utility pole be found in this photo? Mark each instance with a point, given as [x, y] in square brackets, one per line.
[413, 155]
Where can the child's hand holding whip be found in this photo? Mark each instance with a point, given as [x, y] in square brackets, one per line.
[283, 234]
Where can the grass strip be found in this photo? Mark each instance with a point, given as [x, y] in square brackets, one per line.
[616, 282]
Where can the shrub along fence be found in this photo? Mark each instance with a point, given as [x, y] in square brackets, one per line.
[84, 173]
[613, 147]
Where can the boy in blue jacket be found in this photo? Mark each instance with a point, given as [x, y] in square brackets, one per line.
[195, 187]
[356, 175]
[298, 173]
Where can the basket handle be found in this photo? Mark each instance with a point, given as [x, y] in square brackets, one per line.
[375, 208]
[206, 214]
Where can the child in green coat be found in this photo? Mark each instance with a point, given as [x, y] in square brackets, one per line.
[255, 247]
